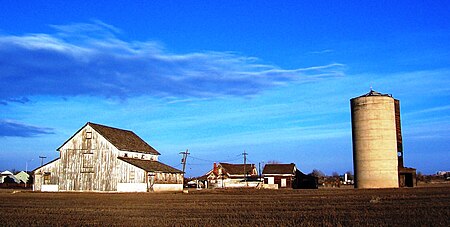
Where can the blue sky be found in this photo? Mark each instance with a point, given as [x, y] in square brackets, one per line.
[273, 78]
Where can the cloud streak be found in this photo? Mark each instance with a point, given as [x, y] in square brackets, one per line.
[14, 129]
[89, 59]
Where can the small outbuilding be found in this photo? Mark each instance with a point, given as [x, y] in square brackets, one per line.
[8, 177]
[282, 175]
[287, 176]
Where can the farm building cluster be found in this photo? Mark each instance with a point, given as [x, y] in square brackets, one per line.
[106, 159]
[274, 176]
[18, 180]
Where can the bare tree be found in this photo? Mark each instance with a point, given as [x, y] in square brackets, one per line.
[317, 173]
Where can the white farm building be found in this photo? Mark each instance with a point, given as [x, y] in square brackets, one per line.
[105, 159]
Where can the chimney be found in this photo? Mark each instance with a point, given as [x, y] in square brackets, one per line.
[215, 168]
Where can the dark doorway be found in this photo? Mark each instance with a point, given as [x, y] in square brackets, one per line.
[409, 182]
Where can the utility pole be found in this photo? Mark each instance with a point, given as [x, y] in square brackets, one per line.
[245, 162]
[42, 160]
[259, 170]
[183, 160]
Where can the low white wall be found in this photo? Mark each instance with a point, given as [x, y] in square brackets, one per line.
[131, 187]
[49, 187]
[168, 187]
[241, 185]
[270, 186]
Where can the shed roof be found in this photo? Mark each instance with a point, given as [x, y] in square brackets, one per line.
[6, 173]
[122, 139]
[150, 166]
[279, 169]
[237, 169]
[54, 160]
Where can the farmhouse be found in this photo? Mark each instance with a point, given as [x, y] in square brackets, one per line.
[105, 159]
[226, 175]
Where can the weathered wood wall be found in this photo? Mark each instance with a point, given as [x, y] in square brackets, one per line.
[88, 163]
[50, 172]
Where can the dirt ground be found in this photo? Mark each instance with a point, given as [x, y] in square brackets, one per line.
[421, 206]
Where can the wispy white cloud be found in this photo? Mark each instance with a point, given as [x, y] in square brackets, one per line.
[89, 59]
[16, 129]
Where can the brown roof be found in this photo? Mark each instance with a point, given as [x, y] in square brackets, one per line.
[279, 169]
[150, 166]
[237, 169]
[122, 139]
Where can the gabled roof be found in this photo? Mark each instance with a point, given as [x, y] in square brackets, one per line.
[124, 140]
[279, 169]
[150, 166]
[237, 169]
[206, 175]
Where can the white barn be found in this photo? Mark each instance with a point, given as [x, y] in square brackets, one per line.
[105, 159]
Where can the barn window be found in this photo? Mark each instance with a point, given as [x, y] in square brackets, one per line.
[125, 155]
[88, 135]
[47, 177]
[88, 162]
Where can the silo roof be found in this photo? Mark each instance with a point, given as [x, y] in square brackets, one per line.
[375, 93]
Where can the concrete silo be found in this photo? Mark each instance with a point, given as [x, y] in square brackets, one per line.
[375, 144]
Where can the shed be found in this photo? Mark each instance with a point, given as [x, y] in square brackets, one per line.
[280, 174]
[287, 176]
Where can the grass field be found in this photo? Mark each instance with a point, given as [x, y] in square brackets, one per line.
[329, 207]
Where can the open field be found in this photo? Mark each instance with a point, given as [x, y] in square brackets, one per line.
[329, 207]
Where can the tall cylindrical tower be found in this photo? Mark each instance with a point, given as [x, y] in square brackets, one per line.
[375, 160]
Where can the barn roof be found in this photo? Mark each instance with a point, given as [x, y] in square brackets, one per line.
[150, 166]
[237, 169]
[122, 139]
[279, 169]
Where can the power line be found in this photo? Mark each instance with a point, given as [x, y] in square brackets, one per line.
[207, 160]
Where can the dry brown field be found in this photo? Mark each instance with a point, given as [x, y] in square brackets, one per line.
[422, 206]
